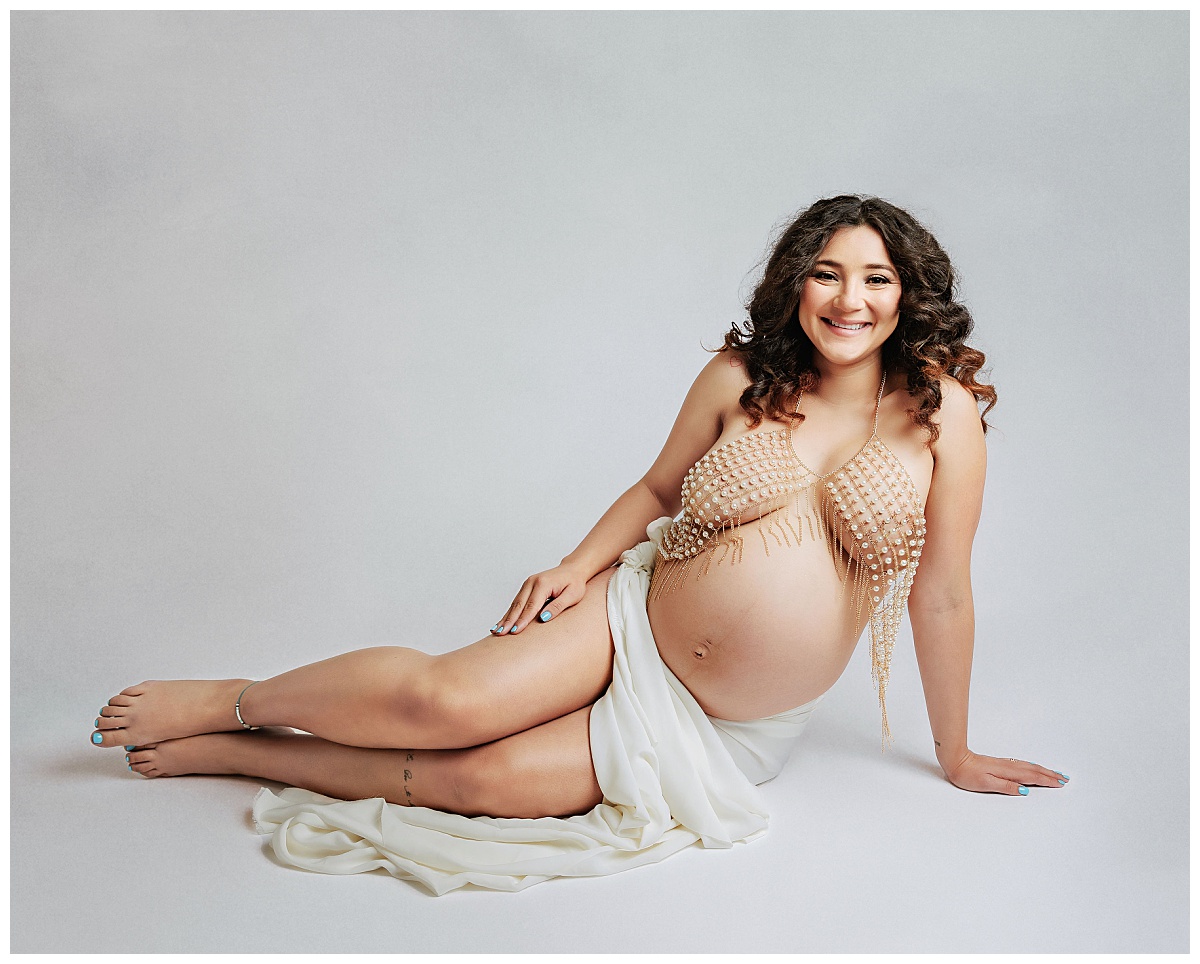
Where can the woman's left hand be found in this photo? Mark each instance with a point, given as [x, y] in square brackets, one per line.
[990, 774]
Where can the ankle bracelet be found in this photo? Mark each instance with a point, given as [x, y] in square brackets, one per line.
[237, 708]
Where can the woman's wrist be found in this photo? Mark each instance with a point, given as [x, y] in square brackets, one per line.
[580, 566]
[950, 754]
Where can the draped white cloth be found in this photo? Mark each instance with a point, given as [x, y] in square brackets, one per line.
[670, 777]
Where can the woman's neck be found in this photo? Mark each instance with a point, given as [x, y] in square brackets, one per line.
[849, 384]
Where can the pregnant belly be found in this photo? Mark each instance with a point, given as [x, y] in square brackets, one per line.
[758, 637]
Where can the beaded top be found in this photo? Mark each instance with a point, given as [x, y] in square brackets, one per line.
[867, 511]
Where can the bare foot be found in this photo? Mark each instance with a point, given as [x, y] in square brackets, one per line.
[207, 753]
[158, 710]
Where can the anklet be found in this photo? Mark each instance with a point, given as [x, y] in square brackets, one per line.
[237, 708]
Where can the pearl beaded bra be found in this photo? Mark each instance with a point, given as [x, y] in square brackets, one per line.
[867, 511]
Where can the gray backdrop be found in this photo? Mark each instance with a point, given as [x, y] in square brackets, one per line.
[327, 329]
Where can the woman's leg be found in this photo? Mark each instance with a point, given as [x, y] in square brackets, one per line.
[544, 771]
[391, 696]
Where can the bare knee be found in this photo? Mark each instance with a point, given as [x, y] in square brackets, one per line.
[446, 711]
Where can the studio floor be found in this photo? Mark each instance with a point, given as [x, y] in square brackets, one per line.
[866, 852]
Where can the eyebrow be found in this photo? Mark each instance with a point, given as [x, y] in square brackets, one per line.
[838, 264]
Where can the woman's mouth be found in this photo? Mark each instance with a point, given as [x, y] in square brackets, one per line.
[846, 325]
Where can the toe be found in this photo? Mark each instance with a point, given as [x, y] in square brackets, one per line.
[142, 759]
[108, 737]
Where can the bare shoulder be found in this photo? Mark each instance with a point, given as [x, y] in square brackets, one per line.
[958, 417]
[721, 382]
[957, 400]
[727, 371]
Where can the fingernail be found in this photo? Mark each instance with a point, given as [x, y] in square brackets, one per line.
[1023, 791]
[1062, 783]
[494, 628]
[97, 738]
[1063, 775]
[514, 628]
[501, 630]
[131, 748]
[544, 617]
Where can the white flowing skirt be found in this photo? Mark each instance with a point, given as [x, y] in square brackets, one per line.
[670, 777]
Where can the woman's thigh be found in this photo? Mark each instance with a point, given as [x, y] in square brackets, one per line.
[505, 684]
[546, 771]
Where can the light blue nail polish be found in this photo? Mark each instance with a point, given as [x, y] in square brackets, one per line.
[502, 630]
[1023, 791]
[1062, 783]
[97, 723]
[131, 748]
[494, 628]
[126, 757]
[545, 617]
[131, 767]
[97, 738]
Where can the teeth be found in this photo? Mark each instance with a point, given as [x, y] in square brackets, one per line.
[855, 327]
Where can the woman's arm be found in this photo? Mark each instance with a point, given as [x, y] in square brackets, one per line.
[940, 605]
[697, 427]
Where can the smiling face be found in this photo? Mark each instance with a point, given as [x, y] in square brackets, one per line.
[850, 304]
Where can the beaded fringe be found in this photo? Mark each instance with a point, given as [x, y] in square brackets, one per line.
[785, 520]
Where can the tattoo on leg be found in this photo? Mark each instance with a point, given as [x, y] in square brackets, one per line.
[408, 758]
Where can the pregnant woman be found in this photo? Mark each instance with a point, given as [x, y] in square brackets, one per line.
[826, 468]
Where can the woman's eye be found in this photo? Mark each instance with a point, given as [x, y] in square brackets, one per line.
[878, 279]
[824, 275]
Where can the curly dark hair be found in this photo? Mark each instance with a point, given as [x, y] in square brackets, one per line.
[929, 341]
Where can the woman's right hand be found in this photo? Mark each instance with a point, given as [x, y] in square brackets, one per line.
[542, 597]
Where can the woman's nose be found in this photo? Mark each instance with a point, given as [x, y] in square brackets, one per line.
[849, 297]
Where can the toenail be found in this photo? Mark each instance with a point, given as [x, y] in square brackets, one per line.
[131, 766]
[97, 723]
[97, 738]
[126, 757]
[131, 748]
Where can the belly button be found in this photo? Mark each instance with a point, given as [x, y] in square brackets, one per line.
[700, 650]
